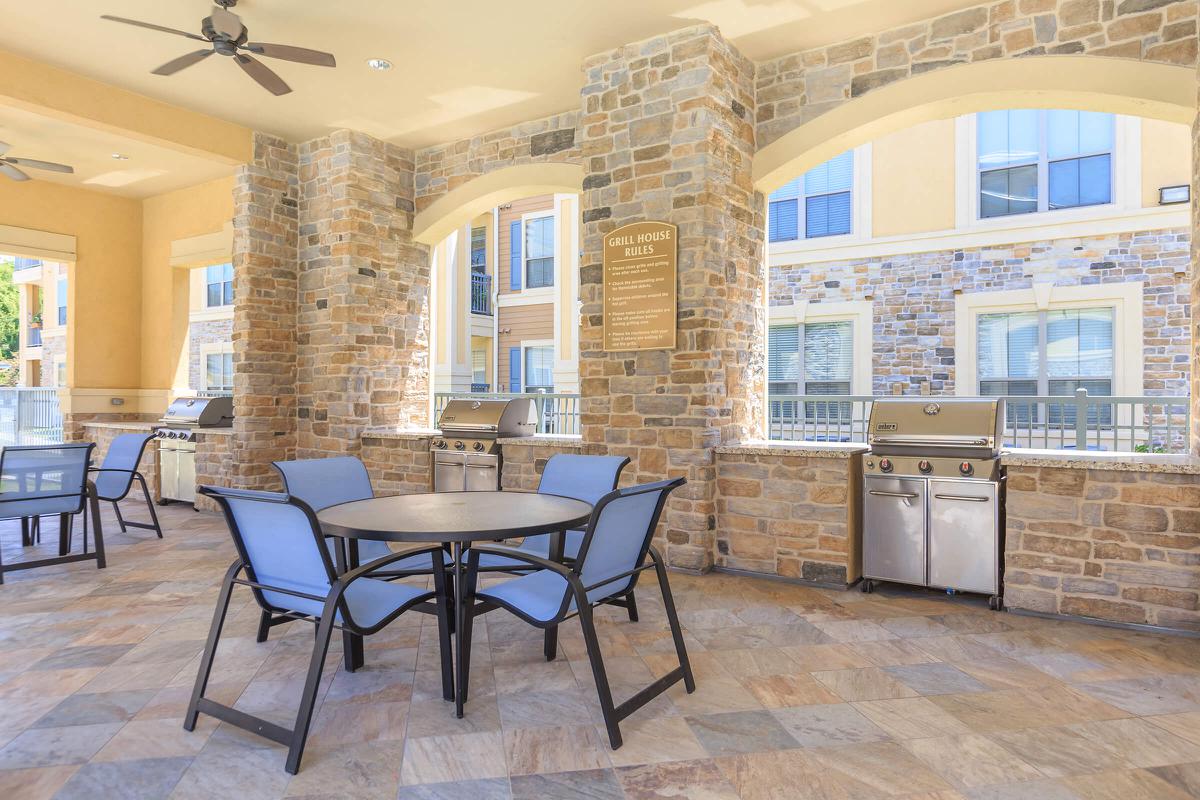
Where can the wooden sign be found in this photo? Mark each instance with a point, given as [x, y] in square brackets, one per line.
[640, 295]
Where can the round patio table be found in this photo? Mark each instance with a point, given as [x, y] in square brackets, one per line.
[456, 519]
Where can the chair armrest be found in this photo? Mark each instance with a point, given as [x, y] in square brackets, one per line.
[519, 555]
[358, 572]
[112, 469]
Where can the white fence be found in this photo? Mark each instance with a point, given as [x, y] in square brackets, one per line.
[30, 416]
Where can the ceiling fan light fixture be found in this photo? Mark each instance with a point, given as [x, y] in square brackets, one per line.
[379, 64]
[120, 157]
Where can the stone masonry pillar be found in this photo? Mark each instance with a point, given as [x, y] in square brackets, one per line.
[1195, 273]
[667, 133]
[363, 305]
[264, 313]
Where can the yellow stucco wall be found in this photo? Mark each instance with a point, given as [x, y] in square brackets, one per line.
[1166, 157]
[105, 281]
[916, 164]
[181, 214]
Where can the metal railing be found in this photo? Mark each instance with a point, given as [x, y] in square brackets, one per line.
[478, 388]
[1070, 422]
[33, 337]
[481, 293]
[30, 415]
[214, 393]
[557, 413]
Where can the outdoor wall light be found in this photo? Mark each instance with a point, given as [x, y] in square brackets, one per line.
[379, 64]
[120, 157]
[1169, 195]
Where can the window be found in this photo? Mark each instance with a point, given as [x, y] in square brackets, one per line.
[61, 296]
[539, 369]
[815, 358]
[825, 192]
[218, 372]
[539, 252]
[60, 372]
[479, 381]
[218, 280]
[1032, 160]
[1051, 352]
[479, 249]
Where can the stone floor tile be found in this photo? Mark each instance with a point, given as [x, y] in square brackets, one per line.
[1027, 790]
[537, 709]
[156, 738]
[911, 718]
[97, 655]
[740, 732]
[891, 653]
[44, 747]
[561, 749]
[855, 631]
[783, 774]
[886, 767]
[583, 785]
[694, 780]
[828, 725]
[1185, 725]
[489, 789]
[1147, 696]
[35, 783]
[1059, 752]
[970, 760]
[1139, 742]
[1001, 672]
[440, 759]
[937, 678]
[144, 779]
[819, 657]
[364, 772]
[1185, 777]
[868, 683]
[653, 741]
[95, 709]
[1124, 786]
[778, 691]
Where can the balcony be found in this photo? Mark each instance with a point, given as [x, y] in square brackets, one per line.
[481, 293]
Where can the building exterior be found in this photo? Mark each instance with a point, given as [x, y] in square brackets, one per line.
[43, 294]
[210, 328]
[506, 295]
[1018, 252]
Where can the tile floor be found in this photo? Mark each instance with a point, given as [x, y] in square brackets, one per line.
[802, 693]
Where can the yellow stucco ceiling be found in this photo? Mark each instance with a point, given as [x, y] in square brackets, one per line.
[461, 67]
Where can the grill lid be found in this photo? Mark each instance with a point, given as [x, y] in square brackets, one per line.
[199, 412]
[489, 417]
[967, 426]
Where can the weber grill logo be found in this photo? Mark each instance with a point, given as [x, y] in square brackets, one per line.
[889, 427]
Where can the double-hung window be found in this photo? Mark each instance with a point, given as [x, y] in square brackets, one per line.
[218, 372]
[1054, 352]
[1031, 160]
[218, 285]
[479, 249]
[539, 369]
[539, 252]
[815, 358]
[816, 204]
[61, 297]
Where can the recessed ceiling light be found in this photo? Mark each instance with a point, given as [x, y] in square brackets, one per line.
[120, 157]
[379, 64]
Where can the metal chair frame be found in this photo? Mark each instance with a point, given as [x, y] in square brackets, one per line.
[134, 474]
[576, 595]
[334, 604]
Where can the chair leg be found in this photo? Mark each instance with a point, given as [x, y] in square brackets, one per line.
[550, 645]
[149, 504]
[599, 674]
[64, 534]
[120, 519]
[631, 606]
[308, 699]
[689, 682]
[210, 647]
[440, 583]
[264, 627]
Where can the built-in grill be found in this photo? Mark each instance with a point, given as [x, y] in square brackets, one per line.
[177, 442]
[466, 457]
[933, 494]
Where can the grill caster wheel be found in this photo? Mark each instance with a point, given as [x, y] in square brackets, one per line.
[162, 501]
[868, 587]
[995, 603]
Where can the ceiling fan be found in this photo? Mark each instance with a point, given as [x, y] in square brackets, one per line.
[226, 34]
[9, 165]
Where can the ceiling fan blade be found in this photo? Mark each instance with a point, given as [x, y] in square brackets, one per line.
[301, 55]
[184, 61]
[262, 74]
[226, 22]
[153, 27]
[33, 162]
[13, 172]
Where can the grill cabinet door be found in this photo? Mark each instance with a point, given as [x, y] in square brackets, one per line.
[483, 473]
[448, 469]
[186, 488]
[963, 548]
[168, 470]
[894, 529]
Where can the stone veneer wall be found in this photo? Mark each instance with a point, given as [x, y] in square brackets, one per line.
[53, 346]
[791, 515]
[211, 331]
[799, 87]
[667, 134]
[265, 200]
[214, 465]
[398, 463]
[1116, 545]
[913, 338]
[521, 470]
[363, 315]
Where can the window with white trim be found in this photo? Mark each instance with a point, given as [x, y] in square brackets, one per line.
[60, 293]
[813, 358]
[818, 203]
[1031, 160]
[539, 252]
[218, 285]
[479, 367]
[479, 249]
[218, 372]
[539, 369]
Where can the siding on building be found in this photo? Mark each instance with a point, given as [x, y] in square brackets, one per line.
[522, 323]
[514, 212]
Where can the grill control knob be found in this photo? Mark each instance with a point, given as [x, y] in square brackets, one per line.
[924, 466]
[885, 464]
[440, 444]
[870, 463]
[478, 447]
[966, 468]
[459, 446]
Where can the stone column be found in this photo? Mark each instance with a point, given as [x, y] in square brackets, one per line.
[667, 133]
[264, 313]
[1195, 283]
[363, 305]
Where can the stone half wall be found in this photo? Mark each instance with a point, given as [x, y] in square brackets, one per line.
[103, 434]
[913, 334]
[790, 511]
[214, 465]
[799, 87]
[398, 463]
[1110, 544]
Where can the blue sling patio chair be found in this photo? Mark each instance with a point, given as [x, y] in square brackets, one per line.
[44, 480]
[115, 476]
[581, 477]
[325, 482]
[611, 556]
[287, 567]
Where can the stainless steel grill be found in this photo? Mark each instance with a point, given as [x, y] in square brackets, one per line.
[177, 442]
[466, 457]
[933, 495]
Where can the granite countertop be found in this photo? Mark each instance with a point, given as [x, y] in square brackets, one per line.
[1117, 462]
[214, 431]
[810, 449]
[396, 433]
[544, 440]
[131, 425]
